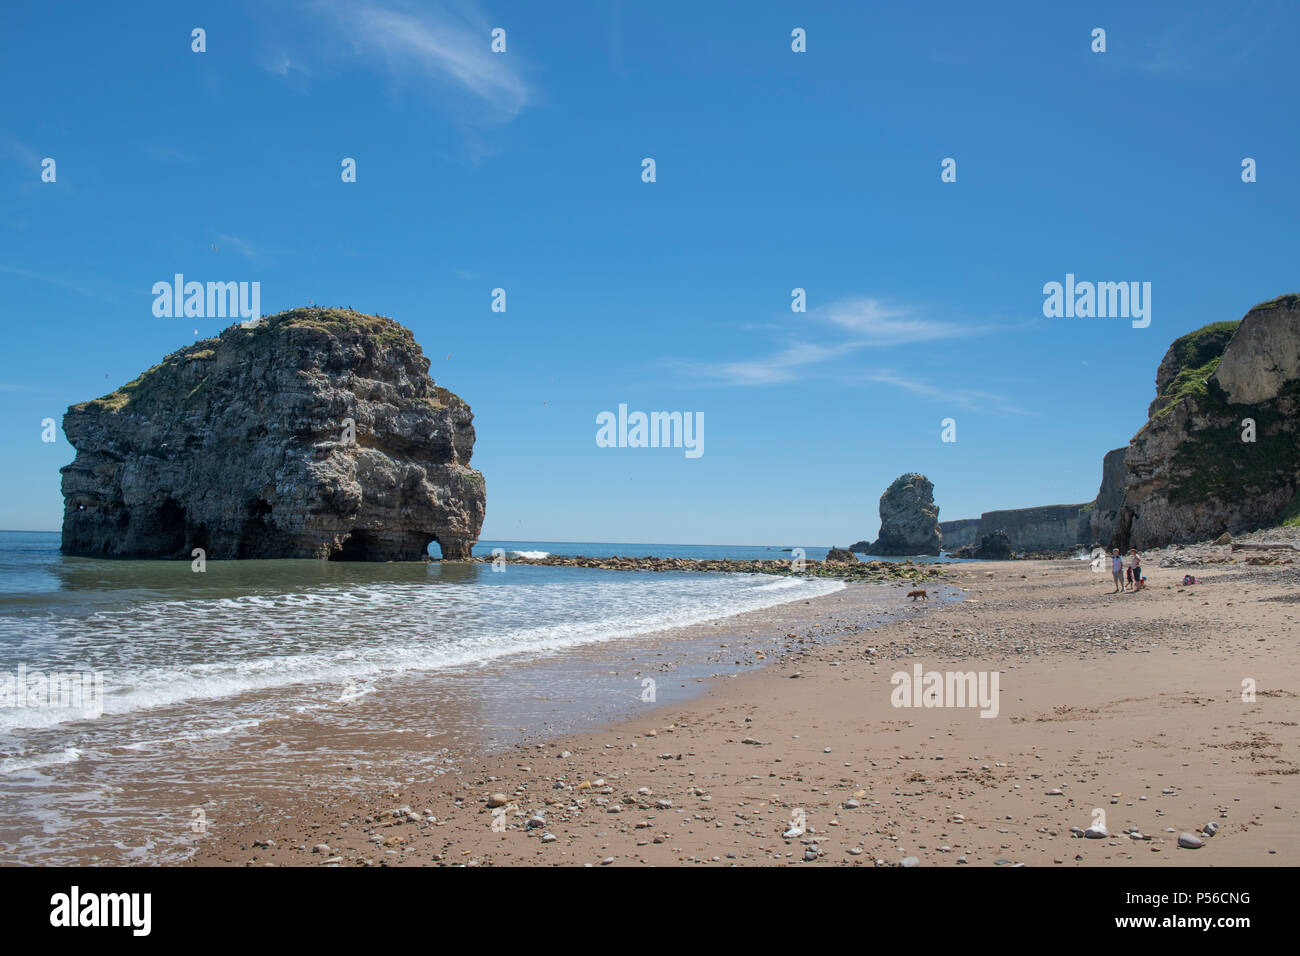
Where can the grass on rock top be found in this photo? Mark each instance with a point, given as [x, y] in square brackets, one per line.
[338, 321]
[334, 322]
[1196, 356]
[1289, 301]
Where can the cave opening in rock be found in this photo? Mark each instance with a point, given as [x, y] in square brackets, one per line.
[357, 546]
[197, 537]
[169, 528]
[256, 530]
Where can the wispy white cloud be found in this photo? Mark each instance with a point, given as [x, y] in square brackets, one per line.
[858, 325]
[428, 43]
[872, 322]
[281, 64]
[25, 154]
[863, 323]
[965, 397]
[787, 365]
[245, 249]
[170, 152]
[1200, 38]
[55, 280]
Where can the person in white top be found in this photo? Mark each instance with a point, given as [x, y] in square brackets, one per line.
[1134, 563]
[1117, 571]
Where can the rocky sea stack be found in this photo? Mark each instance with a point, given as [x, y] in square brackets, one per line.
[909, 518]
[315, 433]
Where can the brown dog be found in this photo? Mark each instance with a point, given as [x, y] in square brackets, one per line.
[918, 593]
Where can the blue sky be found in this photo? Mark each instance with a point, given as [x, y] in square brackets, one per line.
[775, 170]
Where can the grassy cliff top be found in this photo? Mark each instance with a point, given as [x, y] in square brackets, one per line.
[146, 381]
[337, 322]
[1289, 301]
[1190, 361]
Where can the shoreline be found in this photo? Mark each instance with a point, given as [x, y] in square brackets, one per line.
[1112, 700]
[874, 571]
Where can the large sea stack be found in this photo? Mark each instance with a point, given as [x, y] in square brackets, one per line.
[909, 518]
[315, 433]
[1221, 451]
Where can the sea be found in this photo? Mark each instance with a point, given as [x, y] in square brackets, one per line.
[140, 700]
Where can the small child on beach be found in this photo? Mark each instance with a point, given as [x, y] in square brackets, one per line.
[1134, 568]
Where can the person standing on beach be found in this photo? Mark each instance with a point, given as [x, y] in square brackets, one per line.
[1134, 568]
[1117, 571]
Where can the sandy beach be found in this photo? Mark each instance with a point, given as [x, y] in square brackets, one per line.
[1124, 711]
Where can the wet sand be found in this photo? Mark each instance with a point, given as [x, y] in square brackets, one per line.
[1120, 709]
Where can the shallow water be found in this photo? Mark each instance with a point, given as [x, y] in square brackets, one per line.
[285, 677]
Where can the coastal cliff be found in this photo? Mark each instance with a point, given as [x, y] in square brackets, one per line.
[312, 433]
[1220, 450]
[959, 533]
[1110, 497]
[1044, 528]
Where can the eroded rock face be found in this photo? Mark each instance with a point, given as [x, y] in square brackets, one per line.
[1264, 355]
[1190, 474]
[1110, 497]
[909, 518]
[240, 445]
[840, 556]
